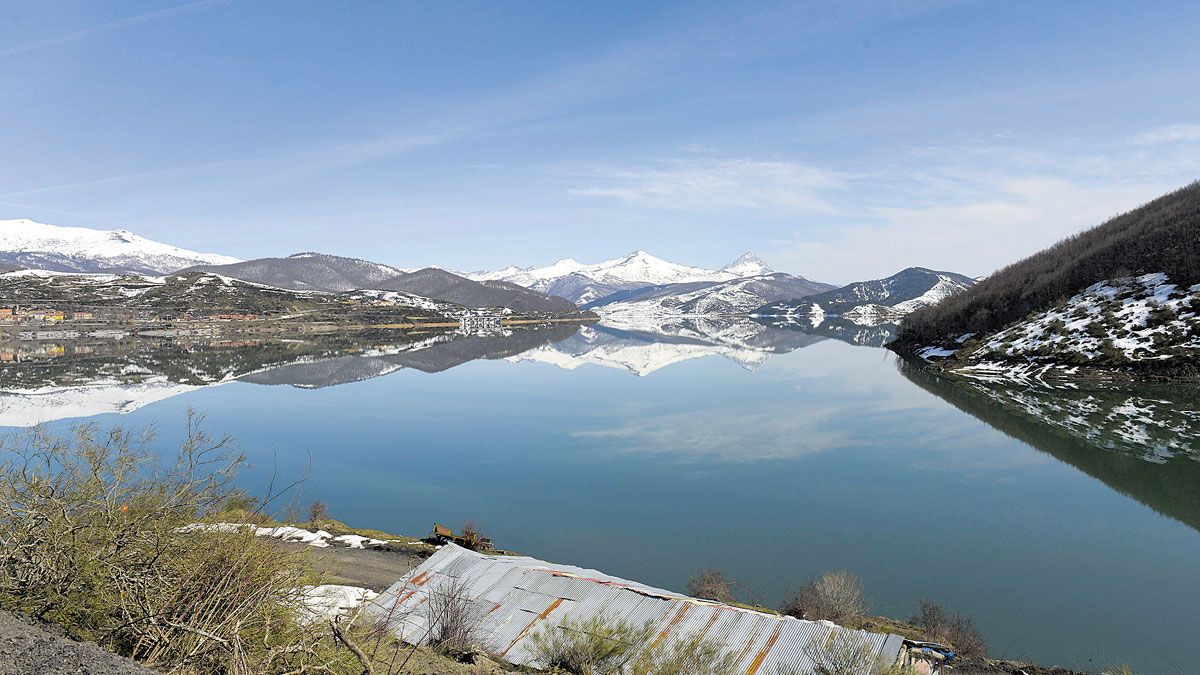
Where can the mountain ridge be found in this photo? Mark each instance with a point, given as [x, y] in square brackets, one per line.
[29, 244]
[329, 273]
[872, 302]
[583, 283]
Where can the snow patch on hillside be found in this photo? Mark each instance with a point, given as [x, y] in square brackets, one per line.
[1118, 320]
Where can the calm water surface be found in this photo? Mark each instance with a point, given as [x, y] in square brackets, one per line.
[1066, 529]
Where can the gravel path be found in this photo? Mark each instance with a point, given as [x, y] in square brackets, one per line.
[30, 647]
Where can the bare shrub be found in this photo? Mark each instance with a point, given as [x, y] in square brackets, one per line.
[957, 630]
[454, 618]
[836, 596]
[600, 644]
[711, 584]
[318, 511]
[92, 538]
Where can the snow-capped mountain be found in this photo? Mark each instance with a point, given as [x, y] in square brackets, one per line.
[707, 298]
[29, 244]
[874, 302]
[748, 265]
[583, 283]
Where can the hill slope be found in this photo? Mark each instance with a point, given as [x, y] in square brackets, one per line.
[329, 273]
[1132, 279]
[307, 272]
[112, 297]
[27, 244]
[723, 298]
[873, 302]
[432, 282]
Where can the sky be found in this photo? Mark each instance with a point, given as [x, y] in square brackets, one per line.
[841, 140]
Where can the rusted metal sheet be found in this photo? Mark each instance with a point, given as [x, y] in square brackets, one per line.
[519, 596]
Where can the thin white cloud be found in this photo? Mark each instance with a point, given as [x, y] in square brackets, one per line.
[128, 22]
[54, 211]
[719, 186]
[1170, 134]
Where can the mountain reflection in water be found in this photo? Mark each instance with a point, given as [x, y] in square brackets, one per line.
[46, 380]
[1141, 440]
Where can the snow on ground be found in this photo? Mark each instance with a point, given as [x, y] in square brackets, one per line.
[327, 601]
[936, 353]
[1130, 319]
[317, 538]
[942, 289]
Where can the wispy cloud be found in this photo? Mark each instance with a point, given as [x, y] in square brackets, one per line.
[128, 22]
[55, 211]
[1169, 134]
[976, 207]
[719, 186]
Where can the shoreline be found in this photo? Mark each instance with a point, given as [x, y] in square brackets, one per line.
[373, 568]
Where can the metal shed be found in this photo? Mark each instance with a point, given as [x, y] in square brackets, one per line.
[519, 596]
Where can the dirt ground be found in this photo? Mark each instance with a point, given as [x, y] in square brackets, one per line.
[30, 647]
[981, 667]
[373, 569]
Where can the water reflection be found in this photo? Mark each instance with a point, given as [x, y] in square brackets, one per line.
[1141, 440]
[56, 377]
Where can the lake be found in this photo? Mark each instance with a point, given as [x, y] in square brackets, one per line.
[1065, 521]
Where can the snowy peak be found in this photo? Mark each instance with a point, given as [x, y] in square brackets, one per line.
[748, 265]
[642, 267]
[28, 243]
[583, 283]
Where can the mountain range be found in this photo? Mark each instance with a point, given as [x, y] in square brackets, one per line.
[708, 298]
[27, 244]
[873, 302]
[328, 273]
[583, 283]
[638, 284]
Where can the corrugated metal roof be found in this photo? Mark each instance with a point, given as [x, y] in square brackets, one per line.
[519, 596]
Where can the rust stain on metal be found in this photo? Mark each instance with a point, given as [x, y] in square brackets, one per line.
[758, 660]
[553, 606]
[422, 579]
[671, 624]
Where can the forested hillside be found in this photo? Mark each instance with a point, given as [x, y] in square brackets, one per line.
[1162, 236]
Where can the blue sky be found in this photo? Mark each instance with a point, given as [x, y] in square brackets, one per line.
[840, 140]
